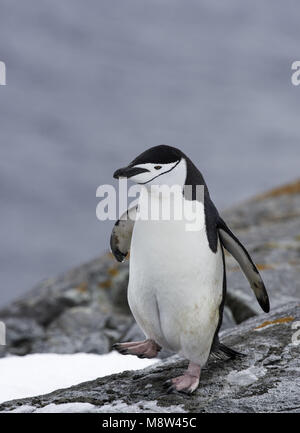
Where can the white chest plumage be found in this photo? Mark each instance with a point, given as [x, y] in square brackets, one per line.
[175, 285]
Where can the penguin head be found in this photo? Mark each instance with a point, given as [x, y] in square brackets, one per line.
[159, 165]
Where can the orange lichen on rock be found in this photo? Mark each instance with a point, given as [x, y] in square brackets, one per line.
[82, 287]
[113, 271]
[263, 266]
[276, 321]
[260, 267]
[105, 284]
[290, 188]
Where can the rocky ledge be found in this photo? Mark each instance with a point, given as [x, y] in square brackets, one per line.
[85, 310]
[266, 380]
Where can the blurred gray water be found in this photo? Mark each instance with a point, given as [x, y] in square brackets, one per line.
[90, 84]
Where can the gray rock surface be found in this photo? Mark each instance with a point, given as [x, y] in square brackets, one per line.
[84, 310]
[266, 380]
[269, 225]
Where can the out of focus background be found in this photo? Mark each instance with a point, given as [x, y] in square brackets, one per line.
[91, 84]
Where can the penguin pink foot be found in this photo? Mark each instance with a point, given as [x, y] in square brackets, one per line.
[142, 349]
[188, 382]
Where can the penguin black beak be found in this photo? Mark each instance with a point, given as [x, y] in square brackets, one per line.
[129, 172]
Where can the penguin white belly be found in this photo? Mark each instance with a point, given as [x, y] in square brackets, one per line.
[175, 286]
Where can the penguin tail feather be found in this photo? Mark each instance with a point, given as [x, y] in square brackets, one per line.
[223, 352]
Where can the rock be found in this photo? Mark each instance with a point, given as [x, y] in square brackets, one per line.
[276, 205]
[118, 290]
[269, 225]
[76, 312]
[266, 380]
[134, 333]
[78, 329]
[228, 319]
[22, 335]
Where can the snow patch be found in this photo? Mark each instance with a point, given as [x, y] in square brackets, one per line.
[21, 409]
[142, 407]
[245, 377]
[30, 375]
[67, 408]
[55, 408]
[117, 406]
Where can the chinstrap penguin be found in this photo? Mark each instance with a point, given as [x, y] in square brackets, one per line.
[177, 277]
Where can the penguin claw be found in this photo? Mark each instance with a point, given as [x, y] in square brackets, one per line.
[120, 349]
[167, 383]
[187, 383]
[171, 389]
[142, 349]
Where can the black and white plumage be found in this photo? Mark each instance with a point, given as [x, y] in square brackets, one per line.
[177, 278]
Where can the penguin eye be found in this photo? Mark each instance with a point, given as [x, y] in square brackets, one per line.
[157, 167]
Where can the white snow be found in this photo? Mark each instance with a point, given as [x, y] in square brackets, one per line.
[245, 377]
[66, 408]
[26, 376]
[56, 408]
[117, 406]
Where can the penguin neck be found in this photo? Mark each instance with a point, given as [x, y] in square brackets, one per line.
[160, 193]
[194, 178]
[161, 203]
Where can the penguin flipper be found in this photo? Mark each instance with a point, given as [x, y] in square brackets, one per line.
[239, 252]
[121, 234]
